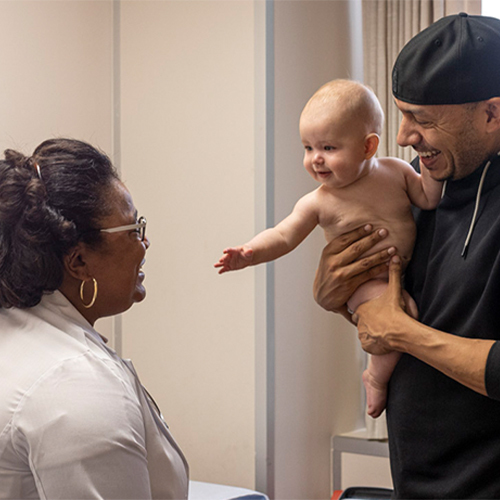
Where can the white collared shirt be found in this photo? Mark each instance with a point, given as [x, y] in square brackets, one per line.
[75, 423]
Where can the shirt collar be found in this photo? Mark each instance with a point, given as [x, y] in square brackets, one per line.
[57, 310]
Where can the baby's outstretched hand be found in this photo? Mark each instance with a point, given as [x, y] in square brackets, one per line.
[235, 258]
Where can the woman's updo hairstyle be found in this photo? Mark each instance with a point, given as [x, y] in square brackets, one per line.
[48, 203]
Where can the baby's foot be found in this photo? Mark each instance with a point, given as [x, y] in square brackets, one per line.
[376, 394]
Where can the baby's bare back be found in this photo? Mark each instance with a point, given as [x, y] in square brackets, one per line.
[380, 199]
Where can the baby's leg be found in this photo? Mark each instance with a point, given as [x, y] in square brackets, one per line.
[380, 368]
[375, 380]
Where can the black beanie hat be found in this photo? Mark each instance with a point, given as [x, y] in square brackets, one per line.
[456, 60]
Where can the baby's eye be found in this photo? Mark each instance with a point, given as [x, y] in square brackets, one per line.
[308, 148]
[329, 148]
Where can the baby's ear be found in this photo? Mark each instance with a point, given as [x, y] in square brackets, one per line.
[371, 145]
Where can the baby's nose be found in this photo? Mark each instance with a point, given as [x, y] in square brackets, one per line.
[318, 158]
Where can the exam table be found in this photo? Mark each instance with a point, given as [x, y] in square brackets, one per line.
[209, 491]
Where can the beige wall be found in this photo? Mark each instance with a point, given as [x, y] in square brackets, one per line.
[189, 124]
[56, 77]
[187, 86]
[318, 361]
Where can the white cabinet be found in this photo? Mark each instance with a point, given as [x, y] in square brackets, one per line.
[358, 461]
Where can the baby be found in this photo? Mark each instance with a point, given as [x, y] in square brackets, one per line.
[340, 128]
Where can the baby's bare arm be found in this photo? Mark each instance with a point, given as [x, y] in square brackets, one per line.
[423, 191]
[234, 258]
[285, 236]
[274, 242]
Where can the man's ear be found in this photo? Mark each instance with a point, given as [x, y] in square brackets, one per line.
[75, 263]
[371, 145]
[492, 108]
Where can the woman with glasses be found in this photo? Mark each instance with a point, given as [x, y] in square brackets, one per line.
[75, 422]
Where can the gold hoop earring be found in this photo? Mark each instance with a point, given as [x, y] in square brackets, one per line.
[91, 303]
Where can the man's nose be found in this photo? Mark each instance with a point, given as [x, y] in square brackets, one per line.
[407, 134]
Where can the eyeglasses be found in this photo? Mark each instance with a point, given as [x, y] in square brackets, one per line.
[140, 225]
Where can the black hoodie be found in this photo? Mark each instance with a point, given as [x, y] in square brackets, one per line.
[445, 438]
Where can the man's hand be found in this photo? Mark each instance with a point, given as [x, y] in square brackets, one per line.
[384, 326]
[379, 319]
[340, 272]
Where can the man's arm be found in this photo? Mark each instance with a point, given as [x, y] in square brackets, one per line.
[273, 242]
[384, 326]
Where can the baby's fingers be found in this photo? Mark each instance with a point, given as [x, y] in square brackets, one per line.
[223, 262]
[230, 251]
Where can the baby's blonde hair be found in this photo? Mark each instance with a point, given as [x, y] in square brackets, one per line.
[353, 100]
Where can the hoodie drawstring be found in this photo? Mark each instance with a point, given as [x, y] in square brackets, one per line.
[476, 208]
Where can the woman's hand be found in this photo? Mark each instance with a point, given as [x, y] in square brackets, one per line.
[339, 272]
[379, 320]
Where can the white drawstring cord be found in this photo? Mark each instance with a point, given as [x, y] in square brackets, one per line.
[443, 191]
[476, 208]
[37, 168]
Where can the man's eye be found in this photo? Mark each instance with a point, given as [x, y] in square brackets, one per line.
[423, 123]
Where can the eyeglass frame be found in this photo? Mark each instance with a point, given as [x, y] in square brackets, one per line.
[140, 224]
